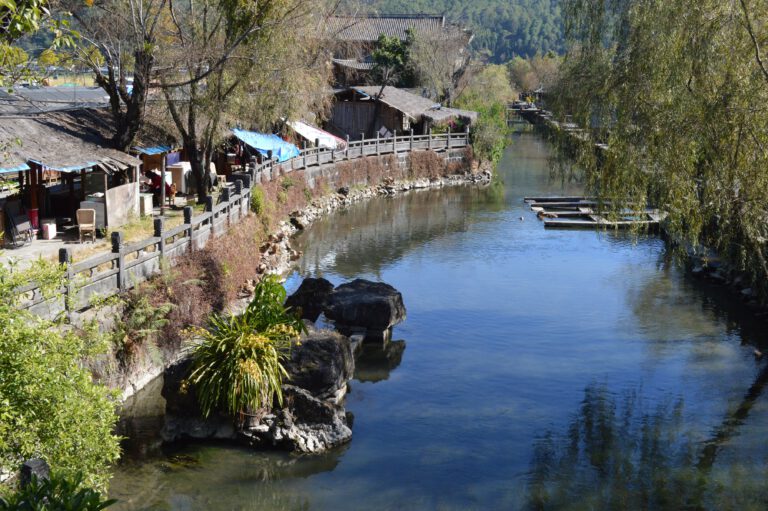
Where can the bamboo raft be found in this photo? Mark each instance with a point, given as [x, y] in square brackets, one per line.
[584, 213]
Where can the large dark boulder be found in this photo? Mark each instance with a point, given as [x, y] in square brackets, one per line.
[321, 363]
[311, 297]
[362, 304]
[304, 424]
[183, 417]
[310, 419]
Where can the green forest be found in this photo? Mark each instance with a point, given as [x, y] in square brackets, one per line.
[503, 28]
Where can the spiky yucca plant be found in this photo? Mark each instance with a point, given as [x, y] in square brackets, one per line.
[238, 364]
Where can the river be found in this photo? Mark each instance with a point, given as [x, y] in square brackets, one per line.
[542, 369]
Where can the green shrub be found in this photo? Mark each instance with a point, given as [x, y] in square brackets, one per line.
[287, 183]
[257, 200]
[489, 135]
[140, 322]
[59, 493]
[237, 367]
[49, 405]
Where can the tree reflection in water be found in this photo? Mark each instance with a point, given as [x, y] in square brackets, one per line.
[619, 453]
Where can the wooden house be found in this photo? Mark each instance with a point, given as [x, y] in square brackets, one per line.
[365, 111]
[60, 160]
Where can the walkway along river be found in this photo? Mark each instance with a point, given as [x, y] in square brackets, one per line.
[542, 369]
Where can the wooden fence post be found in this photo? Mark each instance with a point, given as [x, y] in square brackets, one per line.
[188, 223]
[158, 225]
[466, 135]
[224, 198]
[429, 140]
[377, 144]
[117, 248]
[239, 193]
[304, 155]
[394, 142]
[65, 259]
[411, 149]
[209, 209]
[346, 151]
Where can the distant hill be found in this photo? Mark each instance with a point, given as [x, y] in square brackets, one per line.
[503, 28]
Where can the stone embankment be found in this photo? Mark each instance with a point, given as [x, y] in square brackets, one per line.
[277, 255]
[312, 418]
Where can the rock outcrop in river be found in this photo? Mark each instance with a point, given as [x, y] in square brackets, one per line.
[312, 418]
[357, 307]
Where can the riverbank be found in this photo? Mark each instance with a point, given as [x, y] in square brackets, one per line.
[221, 277]
[703, 262]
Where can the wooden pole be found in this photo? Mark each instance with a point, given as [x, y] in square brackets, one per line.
[162, 185]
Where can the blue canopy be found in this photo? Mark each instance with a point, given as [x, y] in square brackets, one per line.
[17, 168]
[281, 149]
[70, 168]
[158, 149]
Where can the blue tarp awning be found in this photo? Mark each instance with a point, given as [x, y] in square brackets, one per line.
[281, 149]
[158, 149]
[17, 168]
[71, 168]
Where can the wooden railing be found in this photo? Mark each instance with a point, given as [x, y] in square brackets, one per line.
[357, 149]
[127, 265]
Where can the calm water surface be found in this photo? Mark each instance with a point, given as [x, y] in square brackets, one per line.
[543, 369]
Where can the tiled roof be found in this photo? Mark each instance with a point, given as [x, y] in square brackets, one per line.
[410, 104]
[369, 28]
[413, 105]
[354, 64]
[74, 138]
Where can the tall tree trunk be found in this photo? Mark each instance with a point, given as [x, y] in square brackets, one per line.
[199, 169]
[127, 107]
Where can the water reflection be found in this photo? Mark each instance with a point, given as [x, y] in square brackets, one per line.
[218, 477]
[625, 451]
[361, 239]
[732, 422]
[376, 361]
[141, 418]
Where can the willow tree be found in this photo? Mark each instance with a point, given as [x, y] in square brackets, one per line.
[678, 89]
[239, 63]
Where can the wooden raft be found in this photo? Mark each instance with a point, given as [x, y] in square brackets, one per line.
[583, 213]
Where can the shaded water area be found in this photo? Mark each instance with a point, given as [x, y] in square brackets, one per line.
[542, 369]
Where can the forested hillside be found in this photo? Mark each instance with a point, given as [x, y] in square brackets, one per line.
[503, 28]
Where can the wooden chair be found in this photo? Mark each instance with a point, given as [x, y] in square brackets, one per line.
[86, 223]
[20, 230]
